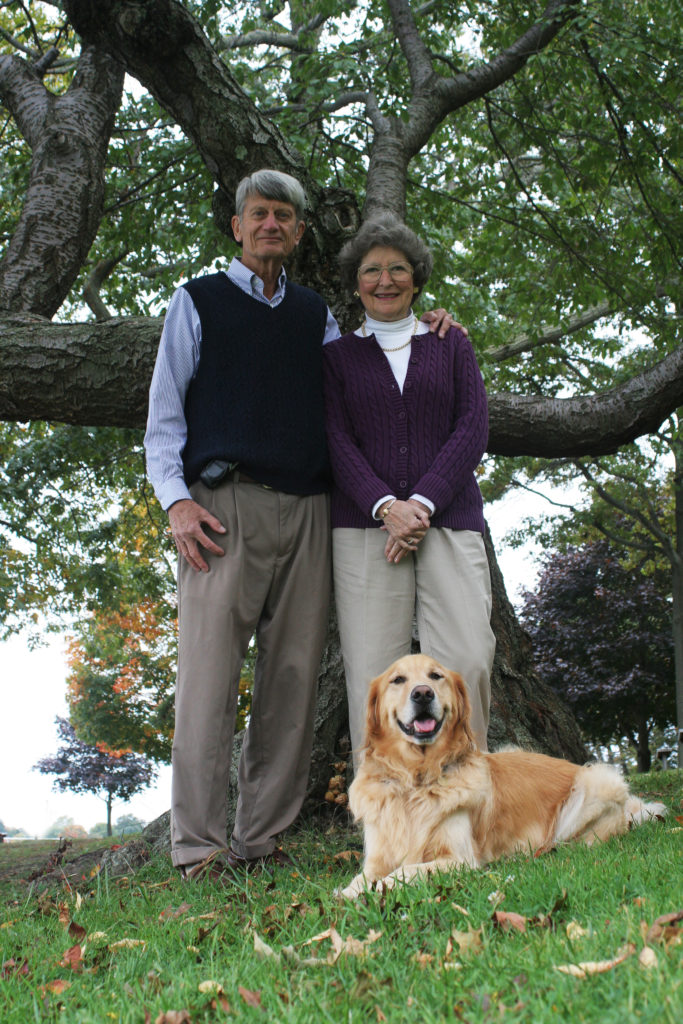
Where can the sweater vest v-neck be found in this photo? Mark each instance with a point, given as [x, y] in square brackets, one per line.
[257, 396]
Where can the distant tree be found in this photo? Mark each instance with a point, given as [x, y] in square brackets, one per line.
[127, 823]
[85, 769]
[66, 827]
[601, 633]
[100, 829]
[120, 687]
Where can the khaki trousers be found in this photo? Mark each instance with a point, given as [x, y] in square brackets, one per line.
[445, 584]
[273, 581]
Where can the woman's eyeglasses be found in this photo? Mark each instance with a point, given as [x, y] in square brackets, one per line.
[371, 272]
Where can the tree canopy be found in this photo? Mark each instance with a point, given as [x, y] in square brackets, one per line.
[536, 148]
[601, 634]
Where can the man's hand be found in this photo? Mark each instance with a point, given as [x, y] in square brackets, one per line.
[440, 320]
[186, 518]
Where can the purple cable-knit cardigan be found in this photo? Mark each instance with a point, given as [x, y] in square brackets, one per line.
[428, 440]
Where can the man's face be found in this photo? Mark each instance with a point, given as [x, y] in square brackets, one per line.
[268, 230]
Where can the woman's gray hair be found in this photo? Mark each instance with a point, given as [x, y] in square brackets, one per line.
[271, 185]
[385, 228]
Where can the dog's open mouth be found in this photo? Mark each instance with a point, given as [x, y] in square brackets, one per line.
[422, 728]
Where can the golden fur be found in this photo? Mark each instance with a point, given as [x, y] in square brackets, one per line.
[428, 799]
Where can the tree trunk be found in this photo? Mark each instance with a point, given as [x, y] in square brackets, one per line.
[643, 747]
[677, 589]
[109, 803]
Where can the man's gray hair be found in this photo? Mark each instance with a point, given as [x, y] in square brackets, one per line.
[385, 228]
[271, 185]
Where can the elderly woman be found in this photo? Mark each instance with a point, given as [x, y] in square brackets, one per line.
[407, 426]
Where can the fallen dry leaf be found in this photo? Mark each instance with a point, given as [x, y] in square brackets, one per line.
[73, 958]
[57, 986]
[467, 942]
[588, 967]
[347, 855]
[12, 967]
[131, 944]
[76, 931]
[169, 913]
[214, 988]
[647, 957]
[174, 1017]
[576, 931]
[463, 910]
[508, 921]
[666, 929]
[340, 947]
[423, 959]
[249, 997]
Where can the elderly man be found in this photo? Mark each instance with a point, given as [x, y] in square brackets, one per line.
[237, 455]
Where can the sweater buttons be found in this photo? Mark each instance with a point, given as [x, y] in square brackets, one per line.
[403, 483]
[403, 449]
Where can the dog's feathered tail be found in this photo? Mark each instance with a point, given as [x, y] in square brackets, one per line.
[600, 805]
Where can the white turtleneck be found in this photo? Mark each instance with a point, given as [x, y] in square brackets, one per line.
[395, 334]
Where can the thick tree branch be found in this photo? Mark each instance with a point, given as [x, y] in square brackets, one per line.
[165, 48]
[25, 97]
[99, 373]
[588, 425]
[69, 137]
[434, 98]
[416, 53]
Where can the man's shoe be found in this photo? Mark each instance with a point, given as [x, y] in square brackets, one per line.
[213, 867]
[278, 858]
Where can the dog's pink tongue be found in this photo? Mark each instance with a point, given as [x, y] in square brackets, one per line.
[424, 725]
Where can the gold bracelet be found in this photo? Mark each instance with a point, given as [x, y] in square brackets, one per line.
[385, 511]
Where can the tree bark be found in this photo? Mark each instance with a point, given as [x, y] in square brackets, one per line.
[69, 138]
[96, 374]
[677, 590]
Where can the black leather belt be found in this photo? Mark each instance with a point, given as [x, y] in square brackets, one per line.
[219, 471]
[238, 477]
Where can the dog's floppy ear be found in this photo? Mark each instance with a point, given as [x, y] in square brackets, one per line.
[461, 733]
[372, 722]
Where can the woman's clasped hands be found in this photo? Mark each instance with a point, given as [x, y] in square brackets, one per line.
[406, 522]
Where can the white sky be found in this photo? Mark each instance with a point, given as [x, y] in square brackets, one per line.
[32, 688]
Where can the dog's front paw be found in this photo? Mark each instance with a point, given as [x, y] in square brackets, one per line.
[359, 885]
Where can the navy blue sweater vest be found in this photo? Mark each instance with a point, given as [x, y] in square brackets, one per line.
[257, 396]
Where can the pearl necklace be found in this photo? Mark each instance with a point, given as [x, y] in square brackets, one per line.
[398, 347]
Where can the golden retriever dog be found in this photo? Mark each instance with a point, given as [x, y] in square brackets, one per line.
[428, 800]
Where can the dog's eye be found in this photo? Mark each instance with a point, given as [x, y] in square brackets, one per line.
[435, 675]
[398, 680]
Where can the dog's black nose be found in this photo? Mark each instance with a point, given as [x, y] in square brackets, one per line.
[422, 694]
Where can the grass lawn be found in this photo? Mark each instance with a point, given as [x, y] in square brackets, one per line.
[469, 946]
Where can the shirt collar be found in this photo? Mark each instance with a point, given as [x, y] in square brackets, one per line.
[251, 283]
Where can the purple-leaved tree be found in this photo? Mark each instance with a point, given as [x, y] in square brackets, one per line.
[601, 634]
[85, 769]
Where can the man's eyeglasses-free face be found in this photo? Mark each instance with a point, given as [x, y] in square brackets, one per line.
[371, 272]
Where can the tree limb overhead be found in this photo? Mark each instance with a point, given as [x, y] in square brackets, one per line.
[96, 374]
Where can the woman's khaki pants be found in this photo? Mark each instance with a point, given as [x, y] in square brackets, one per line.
[445, 584]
